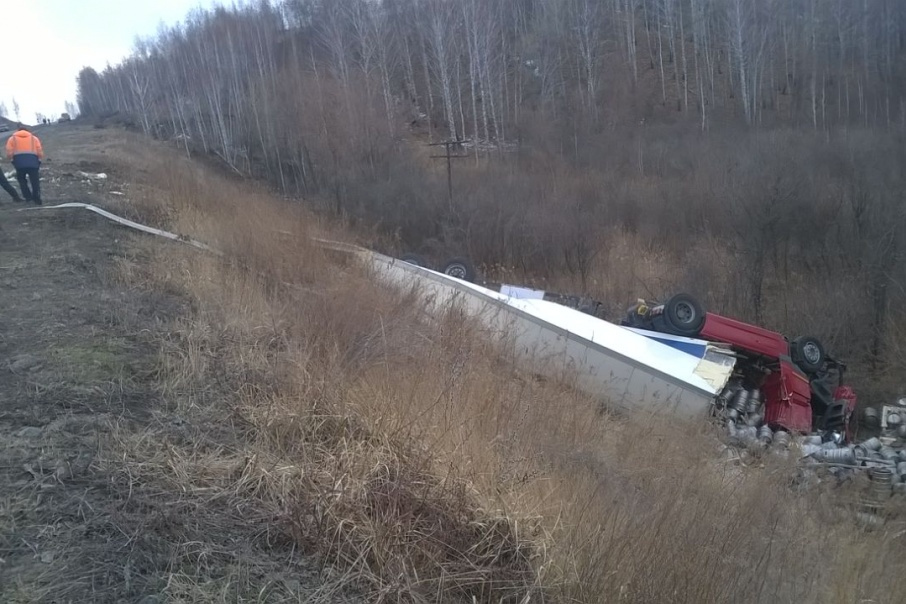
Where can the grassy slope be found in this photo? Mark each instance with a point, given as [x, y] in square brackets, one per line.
[416, 455]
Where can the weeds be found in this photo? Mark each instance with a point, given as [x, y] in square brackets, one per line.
[421, 464]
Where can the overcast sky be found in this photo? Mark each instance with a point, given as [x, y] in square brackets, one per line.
[46, 42]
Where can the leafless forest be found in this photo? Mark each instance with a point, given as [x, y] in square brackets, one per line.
[749, 152]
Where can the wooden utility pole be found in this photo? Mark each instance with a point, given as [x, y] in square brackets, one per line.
[449, 146]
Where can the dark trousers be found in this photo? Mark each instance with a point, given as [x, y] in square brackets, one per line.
[4, 184]
[24, 175]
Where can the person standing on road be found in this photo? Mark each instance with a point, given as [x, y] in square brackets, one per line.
[26, 153]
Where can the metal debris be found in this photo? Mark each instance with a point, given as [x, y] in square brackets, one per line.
[742, 412]
[872, 444]
[754, 420]
[782, 439]
[740, 401]
[755, 401]
[871, 416]
[881, 482]
[889, 453]
[843, 455]
[808, 449]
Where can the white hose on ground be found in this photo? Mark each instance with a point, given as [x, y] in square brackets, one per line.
[129, 223]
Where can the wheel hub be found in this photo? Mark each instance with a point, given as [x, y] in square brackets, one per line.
[685, 313]
[811, 353]
[457, 271]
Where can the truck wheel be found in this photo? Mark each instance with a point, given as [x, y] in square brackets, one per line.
[808, 353]
[684, 315]
[460, 268]
[414, 259]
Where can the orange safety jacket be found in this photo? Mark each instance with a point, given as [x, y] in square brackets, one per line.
[24, 149]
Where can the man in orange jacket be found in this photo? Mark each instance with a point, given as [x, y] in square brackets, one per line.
[26, 153]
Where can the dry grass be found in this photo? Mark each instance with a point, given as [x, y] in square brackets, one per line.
[418, 461]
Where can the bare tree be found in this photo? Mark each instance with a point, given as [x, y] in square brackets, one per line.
[588, 24]
[442, 42]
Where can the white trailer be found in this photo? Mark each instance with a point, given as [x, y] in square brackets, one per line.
[626, 368]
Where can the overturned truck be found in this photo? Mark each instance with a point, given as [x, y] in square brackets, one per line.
[776, 385]
[785, 396]
[797, 384]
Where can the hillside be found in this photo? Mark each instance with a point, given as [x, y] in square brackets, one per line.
[748, 153]
[272, 426]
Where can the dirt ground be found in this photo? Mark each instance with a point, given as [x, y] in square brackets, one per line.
[78, 362]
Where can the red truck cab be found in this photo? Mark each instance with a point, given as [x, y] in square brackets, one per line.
[802, 386]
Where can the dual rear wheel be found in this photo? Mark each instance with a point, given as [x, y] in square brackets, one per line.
[458, 267]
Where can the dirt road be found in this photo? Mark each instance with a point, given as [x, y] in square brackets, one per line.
[78, 362]
[68, 362]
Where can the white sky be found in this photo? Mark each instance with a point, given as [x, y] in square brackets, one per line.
[46, 42]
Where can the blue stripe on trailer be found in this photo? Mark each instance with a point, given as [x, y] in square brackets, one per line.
[692, 346]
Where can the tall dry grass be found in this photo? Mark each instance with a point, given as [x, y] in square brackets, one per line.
[418, 459]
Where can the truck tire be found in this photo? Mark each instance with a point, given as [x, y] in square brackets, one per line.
[414, 259]
[807, 353]
[459, 268]
[684, 315]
